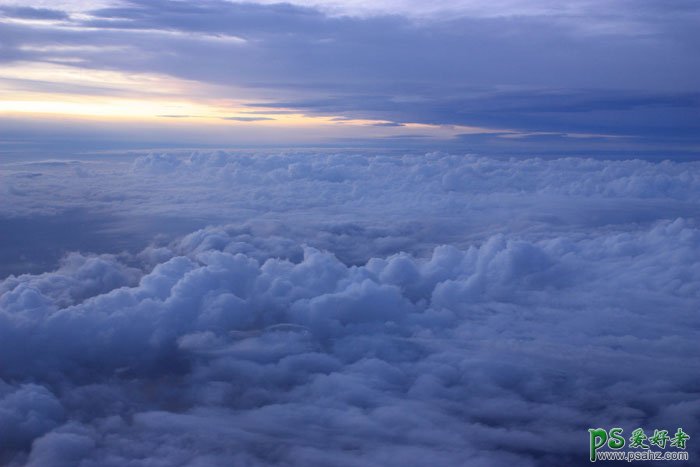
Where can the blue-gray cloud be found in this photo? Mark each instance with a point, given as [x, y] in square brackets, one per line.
[532, 73]
[22, 12]
[247, 119]
[359, 309]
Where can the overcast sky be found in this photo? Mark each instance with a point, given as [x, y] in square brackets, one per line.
[496, 76]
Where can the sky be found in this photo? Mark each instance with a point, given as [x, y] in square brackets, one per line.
[347, 233]
[498, 77]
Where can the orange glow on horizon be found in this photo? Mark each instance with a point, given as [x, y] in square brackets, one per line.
[59, 90]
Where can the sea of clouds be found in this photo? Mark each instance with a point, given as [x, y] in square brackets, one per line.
[351, 310]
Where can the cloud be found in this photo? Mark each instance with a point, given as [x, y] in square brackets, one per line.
[27, 412]
[236, 118]
[540, 70]
[356, 205]
[433, 357]
[357, 309]
[632, 114]
[24, 12]
[388, 124]
[247, 119]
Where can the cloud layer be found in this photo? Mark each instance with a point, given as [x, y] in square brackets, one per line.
[619, 72]
[355, 205]
[370, 341]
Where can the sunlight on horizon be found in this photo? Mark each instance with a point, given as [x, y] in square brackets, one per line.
[54, 90]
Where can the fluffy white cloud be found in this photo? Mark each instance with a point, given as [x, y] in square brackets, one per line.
[241, 344]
